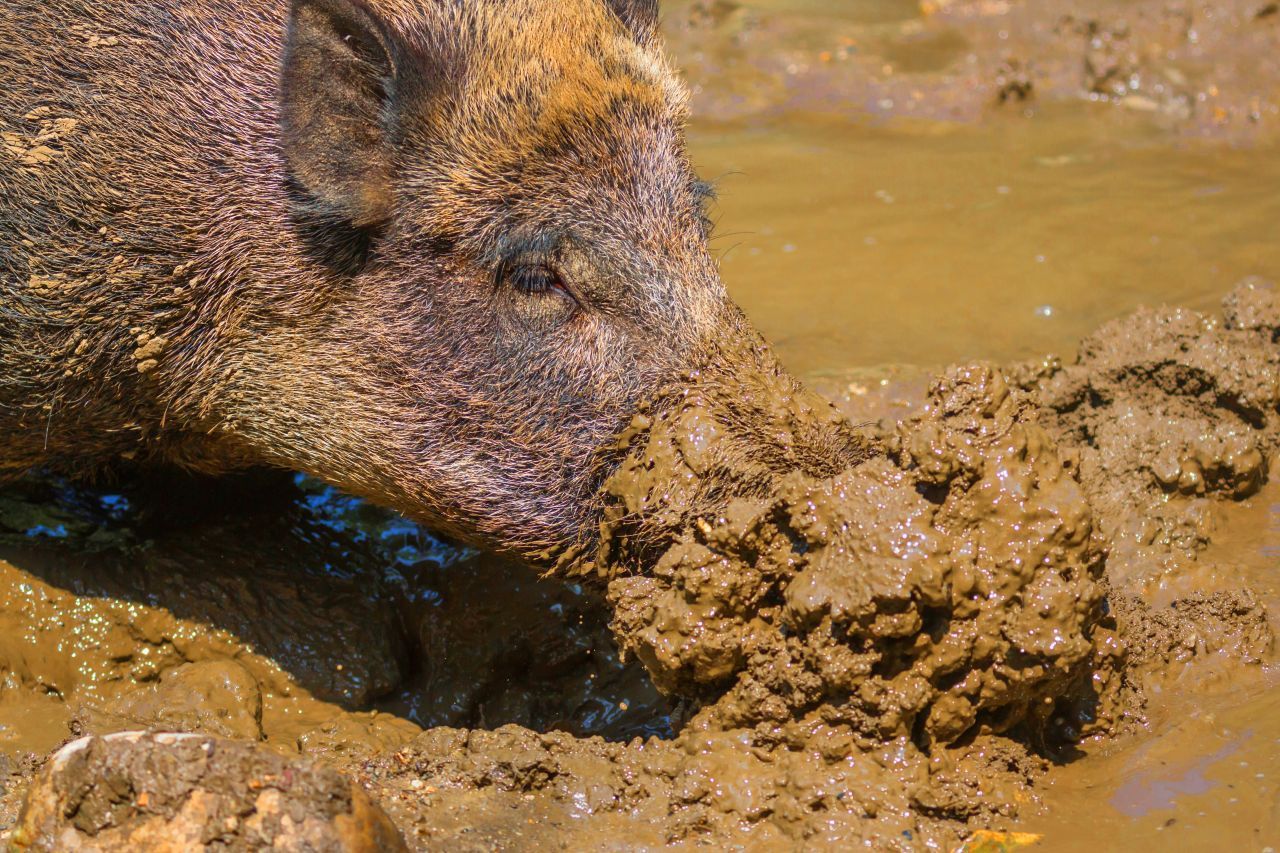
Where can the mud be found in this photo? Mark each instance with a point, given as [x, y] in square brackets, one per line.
[1198, 70]
[1038, 596]
[900, 652]
[132, 791]
[874, 217]
[890, 598]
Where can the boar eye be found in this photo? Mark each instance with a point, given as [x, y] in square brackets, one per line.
[534, 280]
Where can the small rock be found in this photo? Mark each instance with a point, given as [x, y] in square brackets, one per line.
[136, 791]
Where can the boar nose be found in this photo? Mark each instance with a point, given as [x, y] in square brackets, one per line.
[743, 412]
[787, 426]
[794, 429]
[733, 429]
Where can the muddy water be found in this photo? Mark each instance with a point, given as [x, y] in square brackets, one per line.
[881, 210]
[926, 182]
[936, 244]
[359, 608]
[1206, 773]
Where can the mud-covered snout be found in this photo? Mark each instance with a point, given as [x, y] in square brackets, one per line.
[733, 427]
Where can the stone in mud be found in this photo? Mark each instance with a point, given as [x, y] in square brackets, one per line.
[946, 587]
[133, 791]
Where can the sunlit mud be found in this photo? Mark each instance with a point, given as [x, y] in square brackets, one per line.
[1026, 592]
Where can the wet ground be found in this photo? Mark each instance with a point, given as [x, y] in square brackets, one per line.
[1003, 240]
[992, 230]
[903, 186]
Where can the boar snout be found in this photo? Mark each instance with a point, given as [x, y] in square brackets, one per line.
[730, 431]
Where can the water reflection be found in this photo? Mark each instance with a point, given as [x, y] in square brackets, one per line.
[361, 606]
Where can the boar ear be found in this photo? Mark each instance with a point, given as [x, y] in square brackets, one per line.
[337, 108]
[640, 16]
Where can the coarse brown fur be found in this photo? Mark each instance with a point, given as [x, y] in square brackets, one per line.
[239, 232]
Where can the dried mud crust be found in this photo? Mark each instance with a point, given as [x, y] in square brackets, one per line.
[130, 792]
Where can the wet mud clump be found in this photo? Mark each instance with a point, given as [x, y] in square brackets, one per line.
[956, 580]
[1169, 409]
[946, 586]
[133, 791]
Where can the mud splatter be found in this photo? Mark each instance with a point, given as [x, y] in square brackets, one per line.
[943, 588]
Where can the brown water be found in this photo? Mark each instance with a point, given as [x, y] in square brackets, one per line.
[851, 245]
[924, 181]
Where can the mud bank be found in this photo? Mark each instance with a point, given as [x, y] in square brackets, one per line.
[1196, 70]
[898, 652]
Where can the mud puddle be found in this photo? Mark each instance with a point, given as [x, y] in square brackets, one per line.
[1004, 241]
[1191, 70]
[1208, 780]
[1061, 615]
[276, 611]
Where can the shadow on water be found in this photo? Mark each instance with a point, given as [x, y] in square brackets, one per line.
[361, 607]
